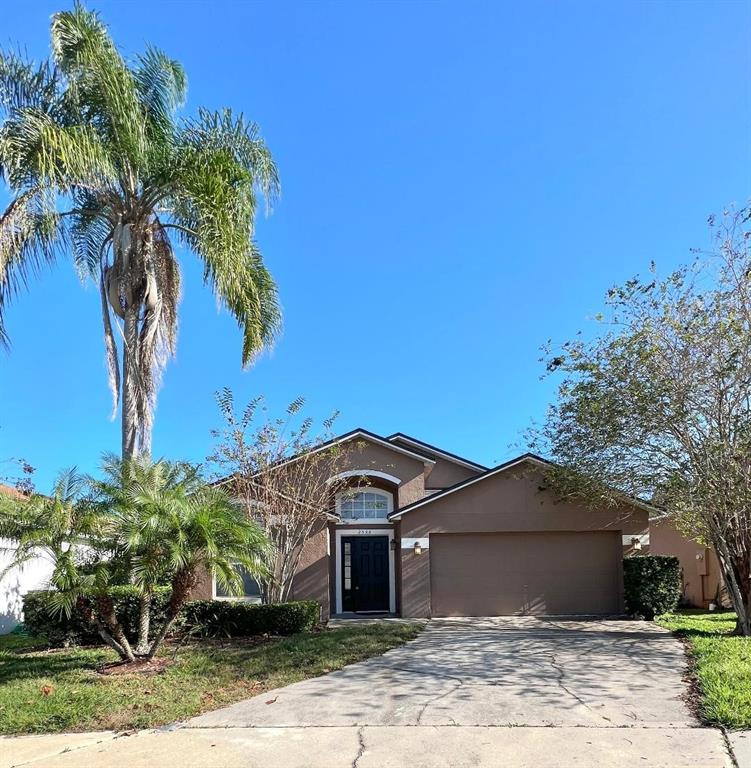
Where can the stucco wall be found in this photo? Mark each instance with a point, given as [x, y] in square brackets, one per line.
[444, 473]
[34, 574]
[311, 581]
[699, 565]
[204, 588]
[515, 500]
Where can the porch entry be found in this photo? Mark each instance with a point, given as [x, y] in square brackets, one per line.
[365, 574]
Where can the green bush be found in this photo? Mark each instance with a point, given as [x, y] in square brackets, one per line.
[228, 618]
[60, 630]
[652, 584]
[236, 618]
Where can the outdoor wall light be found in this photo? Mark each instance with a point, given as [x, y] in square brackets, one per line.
[393, 545]
[418, 548]
[636, 543]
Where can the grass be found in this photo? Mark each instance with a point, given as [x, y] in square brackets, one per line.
[46, 691]
[722, 665]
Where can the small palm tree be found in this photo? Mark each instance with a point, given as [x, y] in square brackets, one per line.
[172, 527]
[146, 522]
[72, 536]
[99, 166]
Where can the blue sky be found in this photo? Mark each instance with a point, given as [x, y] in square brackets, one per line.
[461, 182]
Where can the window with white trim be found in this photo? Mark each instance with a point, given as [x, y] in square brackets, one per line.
[251, 589]
[370, 504]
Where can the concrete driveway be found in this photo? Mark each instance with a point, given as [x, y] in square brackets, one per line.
[495, 692]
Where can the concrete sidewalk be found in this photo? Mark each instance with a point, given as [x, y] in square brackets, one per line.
[383, 747]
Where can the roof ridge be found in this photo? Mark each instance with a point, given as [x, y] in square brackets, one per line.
[436, 449]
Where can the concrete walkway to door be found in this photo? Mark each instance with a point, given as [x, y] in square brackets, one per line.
[488, 692]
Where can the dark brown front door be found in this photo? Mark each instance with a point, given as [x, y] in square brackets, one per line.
[365, 573]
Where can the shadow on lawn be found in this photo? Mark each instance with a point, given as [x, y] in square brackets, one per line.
[27, 665]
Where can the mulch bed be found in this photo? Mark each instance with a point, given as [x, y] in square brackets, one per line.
[145, 667]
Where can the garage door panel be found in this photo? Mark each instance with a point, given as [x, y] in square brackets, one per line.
[511, 574]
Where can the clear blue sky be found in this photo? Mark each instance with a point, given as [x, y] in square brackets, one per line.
[461, 182]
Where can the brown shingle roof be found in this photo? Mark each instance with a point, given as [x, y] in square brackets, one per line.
[9, 490]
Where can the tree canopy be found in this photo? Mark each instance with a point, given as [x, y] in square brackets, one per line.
[659, 404]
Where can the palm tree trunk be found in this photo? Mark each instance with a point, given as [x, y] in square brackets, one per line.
[144, 622]
[130, 383]
[106, 610]
[182, 583]
[84, 607]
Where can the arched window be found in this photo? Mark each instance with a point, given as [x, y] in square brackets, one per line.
[366, 504]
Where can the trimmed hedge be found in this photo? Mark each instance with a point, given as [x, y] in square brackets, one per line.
[61, 630]
[236, 618]
[228, 618]
[652, 584]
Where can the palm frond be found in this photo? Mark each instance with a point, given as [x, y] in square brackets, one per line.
[162, 86]
[223, 163]
[24, 83]
[99, 81]
[91, 225]
[30, 239]
[240, 139]
[37, 149]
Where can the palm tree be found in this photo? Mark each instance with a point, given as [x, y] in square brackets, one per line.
[146, 522]
[100, 167]
[172, 527]
[69, 533]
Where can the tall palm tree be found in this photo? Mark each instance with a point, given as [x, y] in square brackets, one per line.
[100, 166]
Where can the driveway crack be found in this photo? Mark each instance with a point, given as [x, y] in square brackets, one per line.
[561, 675]
[434, 699]
[361, 749]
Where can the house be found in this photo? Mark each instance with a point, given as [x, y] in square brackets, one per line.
[700, 569]
[18, 581]
[423, 532]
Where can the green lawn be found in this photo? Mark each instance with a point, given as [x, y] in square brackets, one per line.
[723, 665]
[43, 691]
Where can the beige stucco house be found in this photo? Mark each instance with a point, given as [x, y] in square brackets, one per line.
[430, 533]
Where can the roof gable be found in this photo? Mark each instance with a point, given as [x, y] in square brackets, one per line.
[529, 458]
[364, 434]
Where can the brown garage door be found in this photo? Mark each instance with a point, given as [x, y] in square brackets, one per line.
[525, 573]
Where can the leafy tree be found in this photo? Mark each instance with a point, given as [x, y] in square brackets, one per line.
[146, 522]
[659, 405]
[285, 475]
[100, 167]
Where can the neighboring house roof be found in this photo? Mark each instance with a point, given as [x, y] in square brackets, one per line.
[9, 490]
[452, 457]
[529, 458]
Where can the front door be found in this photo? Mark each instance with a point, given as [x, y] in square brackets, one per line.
[365, 573]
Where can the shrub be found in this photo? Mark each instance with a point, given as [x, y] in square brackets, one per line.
[652, 584]
[236, 618]
[60, 630]
[228, 618]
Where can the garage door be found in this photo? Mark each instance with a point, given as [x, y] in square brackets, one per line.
[520, 573]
